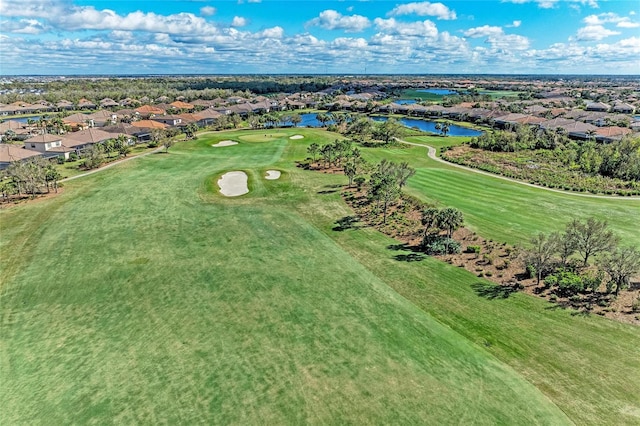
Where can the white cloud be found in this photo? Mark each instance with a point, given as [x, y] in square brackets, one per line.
[549, 4]
[594, 32]
[611, 18]
[24, 26]
[437, 10]
[420, 28]
[516, 24]
[207, 11]
[333, 20]
[275, 32]
[484, 31]
[238, 21]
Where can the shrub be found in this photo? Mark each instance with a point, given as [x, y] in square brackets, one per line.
[359, 181]
[73, 157]
[442, 245]
[473, 249]
[531, 271]
[569, 283]
[635, 306]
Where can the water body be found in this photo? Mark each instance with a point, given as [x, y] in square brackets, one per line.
[405, 101]
[22, 119]
[440, 92]
[430, 126]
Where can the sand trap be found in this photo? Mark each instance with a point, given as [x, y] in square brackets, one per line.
[272, 174]
[296, 137]
[225, 143]
[233, 184]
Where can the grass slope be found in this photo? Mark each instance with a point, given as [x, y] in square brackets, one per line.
[175, 304]
[139, 295]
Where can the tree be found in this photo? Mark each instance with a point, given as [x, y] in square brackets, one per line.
[429, 221]
[540, 255]
[52, 175]
[295, 119]
[566, 246]
[450, 219]
[121, 145]
[444, 129]
[384, 189]
[93, 156]
[403, 173]
[313, 150]
[168, 143]
[621, 265]
[351, 170]
[388, 130]
[323, 119]
[591, 237]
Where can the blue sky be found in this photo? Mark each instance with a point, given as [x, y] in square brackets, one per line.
[273, 36]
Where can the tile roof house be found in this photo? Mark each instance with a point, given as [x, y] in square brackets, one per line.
[148, 110]
[598, 106]
[10, 153]
[623, 108]
[48, 145]
[86, 104]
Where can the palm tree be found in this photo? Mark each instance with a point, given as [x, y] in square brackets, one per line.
[450, 219]
[445, 129]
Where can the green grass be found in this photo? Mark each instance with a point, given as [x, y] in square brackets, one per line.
[142, 295]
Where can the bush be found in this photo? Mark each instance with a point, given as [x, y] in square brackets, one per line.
[152, 144]
[568, 283]
[73, 157]
[473, 249]
[531, 271]
[359, 181]
[442, 245]
[635, 306]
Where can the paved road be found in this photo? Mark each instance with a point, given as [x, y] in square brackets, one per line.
[432, 154]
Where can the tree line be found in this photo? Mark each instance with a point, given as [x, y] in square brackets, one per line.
[617, 159]
[565, 260]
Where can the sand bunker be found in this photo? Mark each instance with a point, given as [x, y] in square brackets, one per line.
[296, 137]
[272, 174]
[233, 184]
[225, 143]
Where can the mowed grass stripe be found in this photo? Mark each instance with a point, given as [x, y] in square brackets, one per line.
[510, 212]
[172, 305]
[569, 357]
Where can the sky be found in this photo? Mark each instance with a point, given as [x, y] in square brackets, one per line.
[71, 37]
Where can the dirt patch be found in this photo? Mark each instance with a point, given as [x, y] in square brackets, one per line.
[224, 143]
[13, 200]
[233, 184]
[273, 174]
[297, 137]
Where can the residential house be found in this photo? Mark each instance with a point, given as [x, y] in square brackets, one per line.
[171, 120]
[611, 133]
[102, 118]
[623, 108]
[108, 103]
[86, 104]
[598, 106]
[48, 145]
[10, 153]
[83, 139]
[147, 111]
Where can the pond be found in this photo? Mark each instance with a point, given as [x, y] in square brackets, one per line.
[405, 101]
[440, 92]
[22, 119]
[309, 120]
[430, 126]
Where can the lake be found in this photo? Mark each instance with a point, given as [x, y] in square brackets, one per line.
[440, 92]
[309, 120]
[430, 126]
